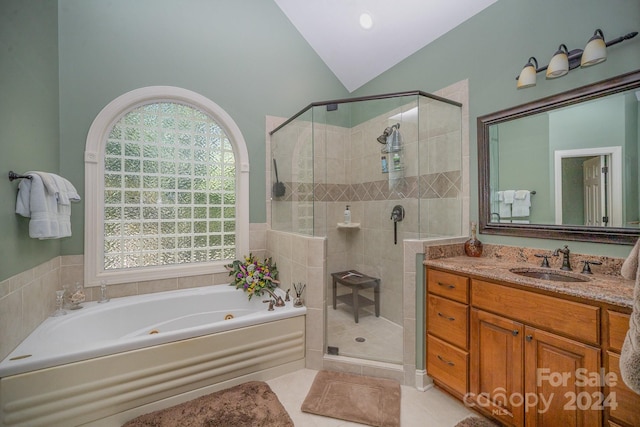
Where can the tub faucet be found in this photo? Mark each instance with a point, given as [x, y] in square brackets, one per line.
[566, 264]
[279, 301]
[270, 301]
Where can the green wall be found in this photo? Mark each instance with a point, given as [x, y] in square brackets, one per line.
[29, 130]
[243, 55]
[248, 58]
[524, 163]
[491, 48]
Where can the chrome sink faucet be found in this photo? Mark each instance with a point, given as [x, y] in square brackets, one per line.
[566, 264]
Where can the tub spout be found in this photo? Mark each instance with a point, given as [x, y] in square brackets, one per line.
[279, 301]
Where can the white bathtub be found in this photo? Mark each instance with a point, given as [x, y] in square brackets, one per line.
[110, 358]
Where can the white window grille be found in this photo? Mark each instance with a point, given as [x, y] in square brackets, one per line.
[165, 173]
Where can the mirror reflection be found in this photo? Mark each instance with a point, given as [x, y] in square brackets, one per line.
[568, 163]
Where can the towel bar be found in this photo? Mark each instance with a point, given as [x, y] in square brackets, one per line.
[14, 176]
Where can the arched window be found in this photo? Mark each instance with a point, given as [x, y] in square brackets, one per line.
[166, 188]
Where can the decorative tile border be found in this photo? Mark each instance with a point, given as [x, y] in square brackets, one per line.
[442, 185]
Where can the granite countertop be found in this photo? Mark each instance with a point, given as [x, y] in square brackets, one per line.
[608, 288]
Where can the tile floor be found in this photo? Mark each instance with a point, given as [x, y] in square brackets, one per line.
[432, 408]
[382, 338]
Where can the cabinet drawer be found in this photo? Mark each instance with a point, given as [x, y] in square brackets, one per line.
[573, 319]
[448, 285]
[448, 320]
[628, 401]
[618, 327]
[447, 364]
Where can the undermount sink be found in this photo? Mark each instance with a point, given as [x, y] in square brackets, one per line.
[547, 275]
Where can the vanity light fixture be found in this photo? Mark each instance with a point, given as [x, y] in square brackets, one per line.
[559, 64]
[564, 60]
[527, 76]
[595, 51]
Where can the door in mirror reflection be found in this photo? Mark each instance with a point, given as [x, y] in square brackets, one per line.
[589, 187]
[586, 192]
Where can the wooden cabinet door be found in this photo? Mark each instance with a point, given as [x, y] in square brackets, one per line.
[625, 403]
[558, 372]
[496, 366]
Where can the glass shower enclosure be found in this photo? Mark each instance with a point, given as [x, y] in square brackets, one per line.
[395, 160]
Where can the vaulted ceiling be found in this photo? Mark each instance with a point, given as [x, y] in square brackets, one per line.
[398, 29]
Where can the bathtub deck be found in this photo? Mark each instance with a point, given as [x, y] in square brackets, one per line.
[100, 388]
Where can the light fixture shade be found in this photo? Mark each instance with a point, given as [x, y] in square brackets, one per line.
[559, 64]
[527, 76]
[596, 50]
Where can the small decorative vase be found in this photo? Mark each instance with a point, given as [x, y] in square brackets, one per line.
[473, 246]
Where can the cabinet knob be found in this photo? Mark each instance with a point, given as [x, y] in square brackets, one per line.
[529, 338]
[515, 332]
[447, 317]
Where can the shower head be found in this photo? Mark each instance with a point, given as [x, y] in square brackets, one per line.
[382, 139]
[391, 138]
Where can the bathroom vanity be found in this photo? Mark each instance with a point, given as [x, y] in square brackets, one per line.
[529, 351]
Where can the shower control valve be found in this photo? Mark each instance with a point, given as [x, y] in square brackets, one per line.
[397, 214]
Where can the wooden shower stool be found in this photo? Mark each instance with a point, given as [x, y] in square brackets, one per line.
[356, 281]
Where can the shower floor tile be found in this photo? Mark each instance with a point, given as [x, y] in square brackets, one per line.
[383, 339]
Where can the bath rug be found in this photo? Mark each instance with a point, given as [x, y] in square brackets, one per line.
[365, 400]
[246, 405]
[475, 422]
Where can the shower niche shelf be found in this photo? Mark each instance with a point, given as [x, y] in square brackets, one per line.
[351, 225]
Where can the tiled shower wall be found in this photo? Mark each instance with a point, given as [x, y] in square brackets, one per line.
[346, 169]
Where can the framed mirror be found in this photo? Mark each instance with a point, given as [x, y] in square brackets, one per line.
[564, 167]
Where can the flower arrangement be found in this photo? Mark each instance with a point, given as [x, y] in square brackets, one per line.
[253, 275]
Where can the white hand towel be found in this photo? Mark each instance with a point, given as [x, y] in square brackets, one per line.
[49, 182]
[45, 198]
[521, 203]
[66, 191]
[36, 203]
[509, 196]
[504, 210]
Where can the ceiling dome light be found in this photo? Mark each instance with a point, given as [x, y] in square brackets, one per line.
[366, 21]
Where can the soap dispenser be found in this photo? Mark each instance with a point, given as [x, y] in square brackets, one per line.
[347, 215]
